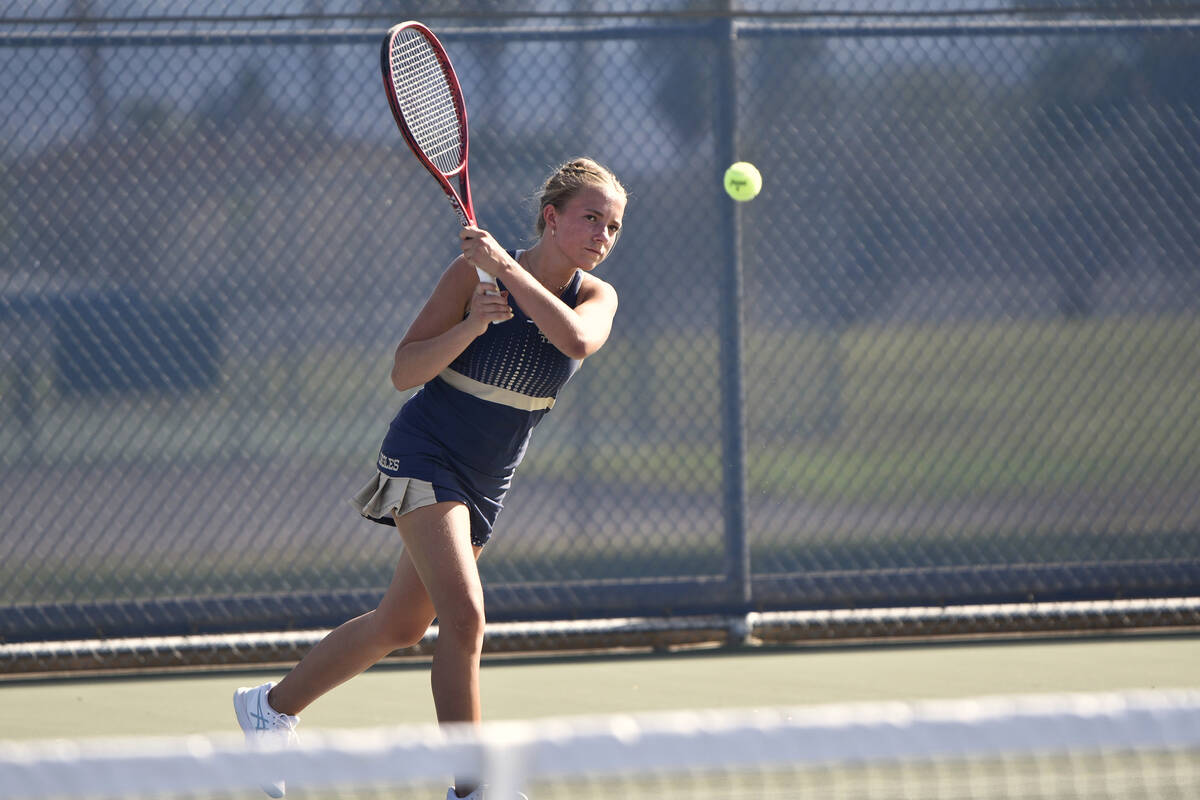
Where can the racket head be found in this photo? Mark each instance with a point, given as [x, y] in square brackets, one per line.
[427, 104]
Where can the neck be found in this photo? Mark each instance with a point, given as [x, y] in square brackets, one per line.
[552, 273]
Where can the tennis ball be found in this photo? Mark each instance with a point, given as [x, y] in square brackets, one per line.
[742, 181]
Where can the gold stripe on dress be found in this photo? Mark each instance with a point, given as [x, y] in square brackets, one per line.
[495, 394]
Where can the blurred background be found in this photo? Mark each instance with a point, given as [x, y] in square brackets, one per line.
[947, 357]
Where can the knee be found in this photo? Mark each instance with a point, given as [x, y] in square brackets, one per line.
[463, 624]
[405, 637]
[397, 634]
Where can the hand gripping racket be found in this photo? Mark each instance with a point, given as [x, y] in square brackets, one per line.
[427, 102]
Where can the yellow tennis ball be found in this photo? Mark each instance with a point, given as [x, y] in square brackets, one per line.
[743, 181]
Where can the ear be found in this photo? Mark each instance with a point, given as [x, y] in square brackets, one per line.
[550, 216]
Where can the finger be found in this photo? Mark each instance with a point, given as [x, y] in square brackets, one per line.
[492, 312]
[491, 300]
[487, 297]
[498, 312]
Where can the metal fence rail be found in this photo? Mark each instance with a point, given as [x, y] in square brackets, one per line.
[947, 357]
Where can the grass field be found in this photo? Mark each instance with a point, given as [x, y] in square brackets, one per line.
[996, 440]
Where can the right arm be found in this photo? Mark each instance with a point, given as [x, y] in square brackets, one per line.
[440, 331]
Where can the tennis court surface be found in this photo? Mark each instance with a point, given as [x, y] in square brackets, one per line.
[1068, 718]
[544, 687]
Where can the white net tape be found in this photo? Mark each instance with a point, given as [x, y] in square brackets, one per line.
[1133, 744]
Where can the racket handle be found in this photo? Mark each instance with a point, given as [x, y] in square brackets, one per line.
[466, 219]
[485, 278]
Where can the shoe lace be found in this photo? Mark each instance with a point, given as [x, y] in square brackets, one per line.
[282, 721]
[270, 719]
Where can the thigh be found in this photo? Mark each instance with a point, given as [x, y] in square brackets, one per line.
[406, 607]
[437, 572]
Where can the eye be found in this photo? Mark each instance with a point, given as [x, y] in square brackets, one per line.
[614, 228]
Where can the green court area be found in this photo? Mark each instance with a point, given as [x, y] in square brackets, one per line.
[565, 686]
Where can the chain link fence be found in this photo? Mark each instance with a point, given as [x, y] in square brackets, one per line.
[948, 356]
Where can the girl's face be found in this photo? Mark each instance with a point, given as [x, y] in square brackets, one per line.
[586, 228]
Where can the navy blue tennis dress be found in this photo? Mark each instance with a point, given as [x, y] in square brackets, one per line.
[466, 430]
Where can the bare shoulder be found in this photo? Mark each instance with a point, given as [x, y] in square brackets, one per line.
[457, 282]
[447, 304]
[460, 271]
[593, 288]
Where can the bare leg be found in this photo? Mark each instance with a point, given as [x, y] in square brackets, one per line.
[400, 620]
[439, 543]
[438, 540]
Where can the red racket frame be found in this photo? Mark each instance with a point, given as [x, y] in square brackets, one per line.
[460, 198]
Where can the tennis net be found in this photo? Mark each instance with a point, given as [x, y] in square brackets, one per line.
[1114, 745]
[164, 653]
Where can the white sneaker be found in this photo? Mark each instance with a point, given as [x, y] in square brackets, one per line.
[264, 725]
[476, 795]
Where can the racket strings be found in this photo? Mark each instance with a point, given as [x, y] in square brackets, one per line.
[426, 100]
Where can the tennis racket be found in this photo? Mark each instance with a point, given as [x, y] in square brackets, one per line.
[427, 102]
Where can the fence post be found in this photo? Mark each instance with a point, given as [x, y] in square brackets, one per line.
[733, 448]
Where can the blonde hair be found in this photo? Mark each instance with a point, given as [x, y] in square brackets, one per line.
[568, 180]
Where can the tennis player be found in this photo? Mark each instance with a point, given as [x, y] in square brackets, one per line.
[450, 453]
